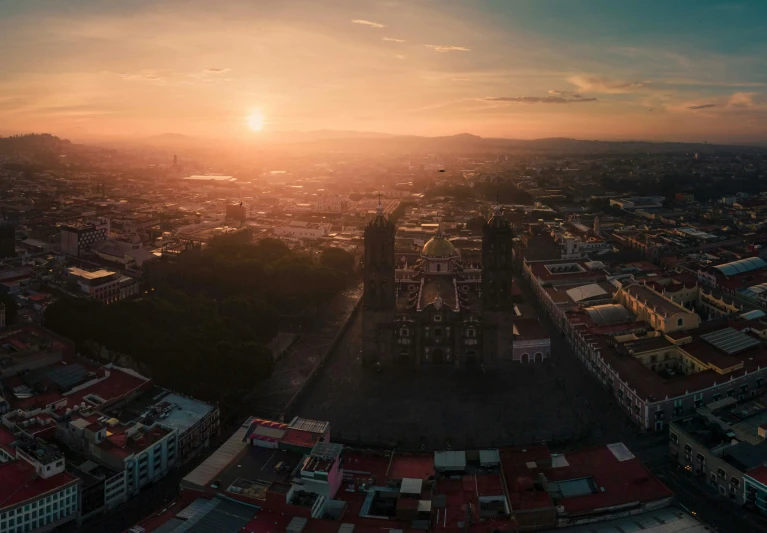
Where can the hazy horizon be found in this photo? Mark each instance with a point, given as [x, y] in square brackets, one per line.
[689, 71]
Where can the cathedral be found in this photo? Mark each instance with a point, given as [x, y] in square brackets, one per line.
[437, 311]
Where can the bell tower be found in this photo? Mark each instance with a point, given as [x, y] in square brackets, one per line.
[497, 306]
[497, 261]
[379, 297]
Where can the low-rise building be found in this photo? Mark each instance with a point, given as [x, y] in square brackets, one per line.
[721, 444]
[36, 493]
[106, 286]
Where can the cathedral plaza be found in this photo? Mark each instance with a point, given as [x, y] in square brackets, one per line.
[441, 407]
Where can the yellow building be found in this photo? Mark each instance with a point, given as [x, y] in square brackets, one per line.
[660, 312]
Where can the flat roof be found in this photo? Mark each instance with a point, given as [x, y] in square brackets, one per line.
[86, 274]
[206, 472]
[21, 483]
[186, 413]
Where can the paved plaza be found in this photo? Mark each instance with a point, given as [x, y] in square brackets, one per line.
[438, 407]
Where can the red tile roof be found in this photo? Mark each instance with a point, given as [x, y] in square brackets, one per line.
[759, 474]
[118, 385]
[411, 466]
[21, 483]
[297, 437]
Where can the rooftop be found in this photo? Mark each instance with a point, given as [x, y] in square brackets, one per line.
[22, 484]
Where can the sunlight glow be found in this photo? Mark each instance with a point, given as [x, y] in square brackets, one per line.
[256, 121]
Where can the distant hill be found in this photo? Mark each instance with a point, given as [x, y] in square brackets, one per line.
[43, 150]
[467, 143]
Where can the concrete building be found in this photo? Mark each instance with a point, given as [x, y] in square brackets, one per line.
[76, 238]
[36, 493]
[298, 230]
[721, 444]
[103, 285]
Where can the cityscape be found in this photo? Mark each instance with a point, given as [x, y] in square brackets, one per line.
[389, 293]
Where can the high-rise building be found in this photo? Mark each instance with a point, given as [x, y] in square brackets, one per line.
[7, 240]
[76, 238]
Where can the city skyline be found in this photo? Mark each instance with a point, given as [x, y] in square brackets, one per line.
[691, 71]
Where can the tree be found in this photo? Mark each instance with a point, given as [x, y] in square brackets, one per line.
[337, 259]
[476, 224]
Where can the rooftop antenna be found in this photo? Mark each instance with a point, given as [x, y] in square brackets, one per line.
[379, 209]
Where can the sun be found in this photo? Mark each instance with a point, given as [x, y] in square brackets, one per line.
[256, 121]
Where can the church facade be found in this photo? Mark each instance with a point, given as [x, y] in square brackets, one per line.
[438, 311]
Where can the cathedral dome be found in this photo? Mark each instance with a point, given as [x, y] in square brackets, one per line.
[439, 247]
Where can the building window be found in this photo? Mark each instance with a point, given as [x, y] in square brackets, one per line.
[698, 400]
[722, 474]
[674, 437]
[680, 322]
[677, 407]
[437, 318]
[716, 397]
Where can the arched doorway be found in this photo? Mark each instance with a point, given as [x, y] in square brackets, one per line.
[404, 357]
[438, 356]
[471, 359]
[538, 357]
[525, 358]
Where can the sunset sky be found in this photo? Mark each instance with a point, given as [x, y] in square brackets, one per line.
[607, 69]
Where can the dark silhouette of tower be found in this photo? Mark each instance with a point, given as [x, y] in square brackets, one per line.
[497, 269]
[379, 299]
[175, 161]
[497, 261]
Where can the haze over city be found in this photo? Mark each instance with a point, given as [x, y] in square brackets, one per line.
[678, 71]
[383, 266]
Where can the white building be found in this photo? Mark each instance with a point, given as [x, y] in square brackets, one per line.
[50, 497]
[297, 229]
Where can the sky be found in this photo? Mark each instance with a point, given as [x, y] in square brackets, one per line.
[681, 70]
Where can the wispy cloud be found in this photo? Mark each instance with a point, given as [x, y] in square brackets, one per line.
[393, 40]
[399, 56]
[554, 97]
[460, 79]
[447, 48]
[596, 84]
[701, 106]
[746, 100]
[209, 73]
[368, 23]
[148, 76]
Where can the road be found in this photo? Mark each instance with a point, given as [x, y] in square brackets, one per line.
[703, 502]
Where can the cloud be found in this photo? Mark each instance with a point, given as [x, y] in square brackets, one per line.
[400, 56]
[209, 73]
[596, 84]
[460, 79]
[149, 76]
[393, 40]
[746, 100]
[368, 23]
[702, 106]
[554, 97]
[447, 48]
